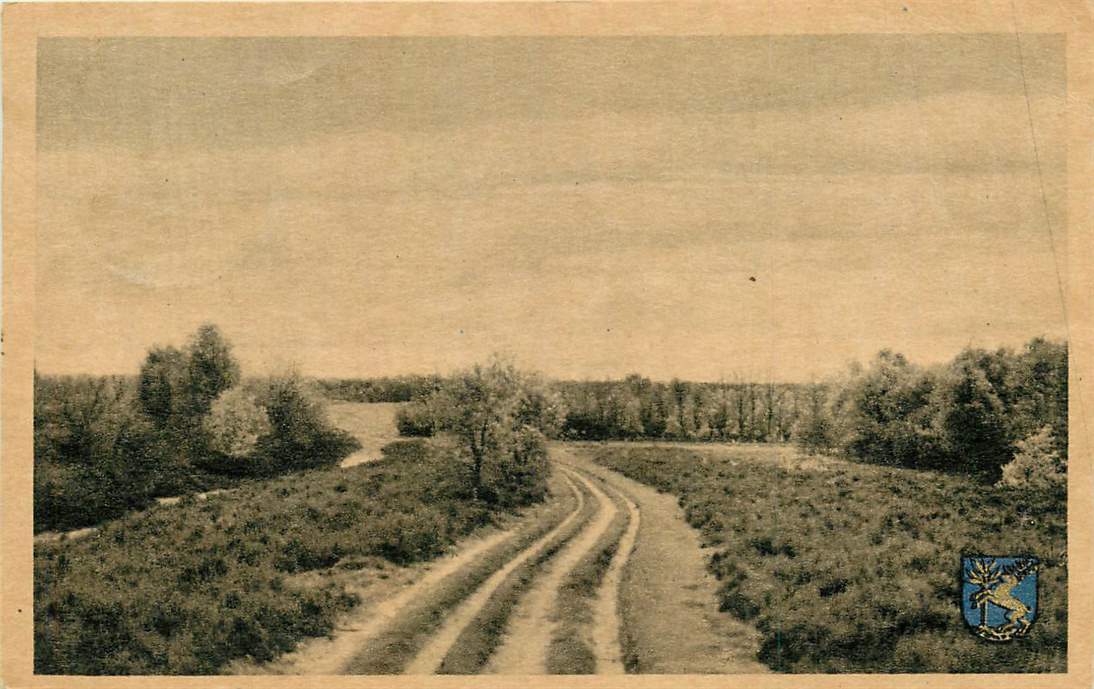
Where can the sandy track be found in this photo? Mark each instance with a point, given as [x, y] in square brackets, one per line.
[655, 608]
[330, 657]
[524, 650]
[668, 599]
[429, 658]
[607, 644]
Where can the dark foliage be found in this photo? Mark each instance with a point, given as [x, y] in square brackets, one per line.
[966, 416]
[414, 420]
[390, 389]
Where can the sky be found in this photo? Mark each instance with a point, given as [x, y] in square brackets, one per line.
[700, 207]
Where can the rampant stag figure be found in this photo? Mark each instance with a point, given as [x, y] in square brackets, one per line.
[996, 586]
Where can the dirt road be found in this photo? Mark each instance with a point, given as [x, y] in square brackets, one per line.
[606, 577]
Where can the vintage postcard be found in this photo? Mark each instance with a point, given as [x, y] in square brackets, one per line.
[547, 344]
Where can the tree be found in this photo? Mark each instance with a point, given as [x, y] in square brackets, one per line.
[772, 400]
[970, 418]
[300, 437]
[162, 384]
[719, 417]
[813, 432]
[211, 367]
[631, 423]
[890, 414]
[478, 407]
[538, 406]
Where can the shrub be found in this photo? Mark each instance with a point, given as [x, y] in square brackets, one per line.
[234, 423]
[519, 475]
[300, 435]
[95, 456]
[414, 420]
[1037, 464]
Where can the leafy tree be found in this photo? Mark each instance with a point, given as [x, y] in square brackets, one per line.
[497, 416]
[477, 407]
[211, 367]
[1037, 392]
[539, 406]
[300, 436]
[162, 384]
[889, 414]
[814, 432]
[971, 418]
[631, 423]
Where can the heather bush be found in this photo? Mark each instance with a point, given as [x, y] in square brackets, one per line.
[414, 419]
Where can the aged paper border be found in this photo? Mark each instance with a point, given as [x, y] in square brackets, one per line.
[23, 24]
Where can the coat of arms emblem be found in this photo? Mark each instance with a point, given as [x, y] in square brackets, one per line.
[999, 595]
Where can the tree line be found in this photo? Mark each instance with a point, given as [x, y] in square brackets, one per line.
[105, 445]
[630, 409]
[999, 415]
[638, 408]
[384, 389]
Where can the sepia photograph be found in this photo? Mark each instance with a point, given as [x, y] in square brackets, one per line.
[559, 353]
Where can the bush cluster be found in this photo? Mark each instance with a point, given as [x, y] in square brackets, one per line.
[855, 568]
[104, 446]
[966, 416]
[186, 588]
[414, 419]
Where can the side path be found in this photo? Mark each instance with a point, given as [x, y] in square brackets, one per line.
[670, 618]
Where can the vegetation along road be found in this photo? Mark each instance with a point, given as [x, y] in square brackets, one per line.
[511, 531]
[605, 577]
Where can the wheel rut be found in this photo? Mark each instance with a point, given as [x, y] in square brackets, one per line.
[429, 659]
[523, 650]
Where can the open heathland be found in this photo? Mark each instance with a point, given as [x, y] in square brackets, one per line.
[847, 567]
[186, 588]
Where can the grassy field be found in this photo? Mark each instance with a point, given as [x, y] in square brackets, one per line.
[373, 425]
[186, 588]
[845, 567]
